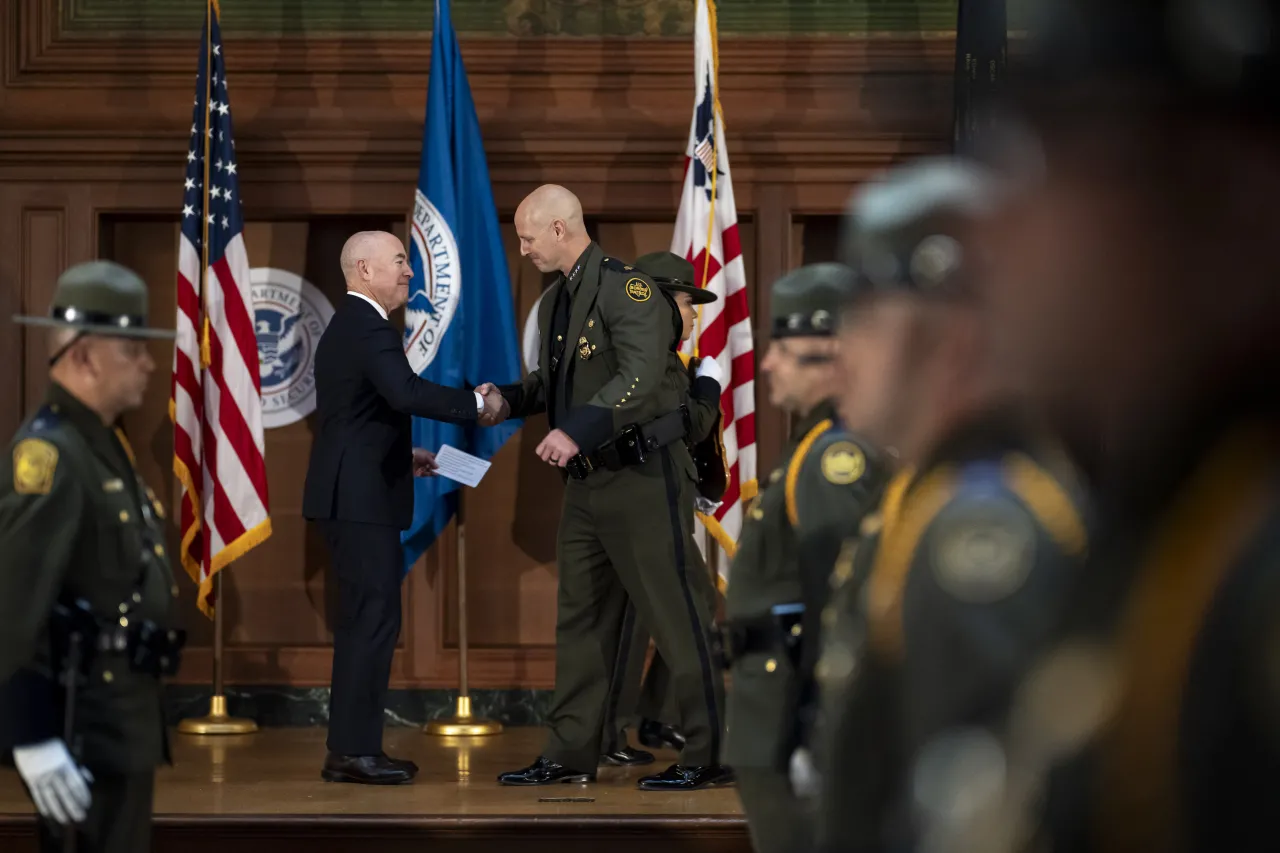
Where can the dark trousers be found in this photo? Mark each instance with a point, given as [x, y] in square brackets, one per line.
[623, 538]
[778, 821]
[119, 819]
[367, 570]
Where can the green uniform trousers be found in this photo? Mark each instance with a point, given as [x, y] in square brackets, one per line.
[119, 819]
[624, 539]
[778, 821]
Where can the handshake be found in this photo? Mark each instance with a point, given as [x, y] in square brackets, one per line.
[496, 408]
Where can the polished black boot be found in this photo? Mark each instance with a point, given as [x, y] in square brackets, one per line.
[626, 756]
[367, 769]
[544, 771]
[656, 735]
[680, 778]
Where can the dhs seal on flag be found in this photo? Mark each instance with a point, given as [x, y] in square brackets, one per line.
[433, 300]
[289, 315]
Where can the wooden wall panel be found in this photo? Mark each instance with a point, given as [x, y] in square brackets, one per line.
[94, 127]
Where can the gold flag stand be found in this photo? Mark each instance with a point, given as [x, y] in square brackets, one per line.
[217, 722]
[462, 723]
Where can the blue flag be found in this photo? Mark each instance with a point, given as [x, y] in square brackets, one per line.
[460, 326]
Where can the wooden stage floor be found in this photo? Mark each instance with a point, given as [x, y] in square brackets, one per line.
[264, 792]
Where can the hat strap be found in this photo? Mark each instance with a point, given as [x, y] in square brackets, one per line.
[53, 359]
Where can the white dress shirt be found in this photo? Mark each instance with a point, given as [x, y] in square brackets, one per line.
[382, 312]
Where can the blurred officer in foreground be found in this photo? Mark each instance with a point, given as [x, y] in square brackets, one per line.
[825, 482]
[975, 556]
[649, 702]
[1134, 294]
[85, 584]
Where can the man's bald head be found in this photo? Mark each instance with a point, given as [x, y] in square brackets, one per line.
[551, 229]
[375, 264]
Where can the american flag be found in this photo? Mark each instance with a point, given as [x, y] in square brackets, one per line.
[707, 234]
[216, 403]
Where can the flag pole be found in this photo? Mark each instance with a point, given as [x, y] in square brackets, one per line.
[462, 723]
[216, 722]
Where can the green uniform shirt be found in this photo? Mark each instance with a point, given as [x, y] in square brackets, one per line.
[77, 522]
[793, 530]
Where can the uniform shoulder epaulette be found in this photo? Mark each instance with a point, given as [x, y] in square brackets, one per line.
[48, 417]
[619, 266]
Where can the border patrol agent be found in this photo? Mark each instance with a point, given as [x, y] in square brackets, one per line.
[794, 528]
[981, 540]
[85, 584]
[608, 379]
[647, 702]
[1179, 629]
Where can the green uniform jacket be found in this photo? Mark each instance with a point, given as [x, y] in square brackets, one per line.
[77, 522]
[827, 481]
[968, 583]
[620, 366]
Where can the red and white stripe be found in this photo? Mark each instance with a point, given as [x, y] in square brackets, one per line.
[724, 327]
[217, 417]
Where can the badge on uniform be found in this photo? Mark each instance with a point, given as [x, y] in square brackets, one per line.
[638, 289]
[843, 463]
[34, 463]
[982, 553]
[584, 347]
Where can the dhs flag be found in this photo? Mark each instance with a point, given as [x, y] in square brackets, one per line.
[460, 320]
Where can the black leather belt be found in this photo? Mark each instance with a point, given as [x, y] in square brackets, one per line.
[632, 445]
[775, 631]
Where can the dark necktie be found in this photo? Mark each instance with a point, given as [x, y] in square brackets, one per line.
[558, 404]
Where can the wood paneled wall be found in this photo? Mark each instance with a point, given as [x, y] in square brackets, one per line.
[94, 130]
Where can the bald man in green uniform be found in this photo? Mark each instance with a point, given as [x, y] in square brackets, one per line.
[85, 584]
[826, 481]
[612, 390]
[636, 696]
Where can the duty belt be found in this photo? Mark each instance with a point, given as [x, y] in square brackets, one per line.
[775, 631]
[631, 445]
[148, 647]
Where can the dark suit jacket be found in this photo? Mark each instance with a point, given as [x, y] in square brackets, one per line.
[361, 461]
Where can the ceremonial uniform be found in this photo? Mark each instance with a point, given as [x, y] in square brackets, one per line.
[607, 377]
[639, 697]
[82, 555]
[980, 546]
[813, 501]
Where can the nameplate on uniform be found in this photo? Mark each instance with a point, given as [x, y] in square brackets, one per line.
[111, 486]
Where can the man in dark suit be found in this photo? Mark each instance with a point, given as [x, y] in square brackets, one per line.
[359, 488]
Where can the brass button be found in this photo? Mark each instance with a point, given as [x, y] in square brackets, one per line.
[124, 515]
[159, 549]
[137, 598]
[124, 608]
[757, 514]
[124, 621]
[108, 676]
[173, 590]
[770, 665]
[795, 630]
[559, 337]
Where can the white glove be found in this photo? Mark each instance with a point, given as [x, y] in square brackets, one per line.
[58, 786]
[804, 776]
[710, 367]
[705, 505]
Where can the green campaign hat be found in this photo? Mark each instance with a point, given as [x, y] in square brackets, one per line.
[807, 301]
[100, 297]
[673, 273]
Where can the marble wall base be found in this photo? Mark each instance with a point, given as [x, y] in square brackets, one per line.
[309, 706]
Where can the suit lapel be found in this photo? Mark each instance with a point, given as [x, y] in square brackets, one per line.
[584, 298]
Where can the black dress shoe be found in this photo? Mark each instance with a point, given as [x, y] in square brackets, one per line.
[367, 769]
[680, 778]
[626, 756]
[656, 735]
[406, 763]
[544, 771]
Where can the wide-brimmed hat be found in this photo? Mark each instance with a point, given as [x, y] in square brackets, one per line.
[100, 297]
[673, 273]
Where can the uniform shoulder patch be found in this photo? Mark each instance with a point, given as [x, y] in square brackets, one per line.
[981, 551]
[639, 290]
[843, 463]
[34, 462]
